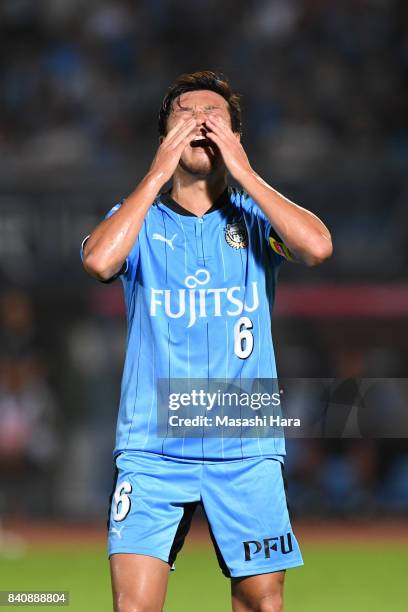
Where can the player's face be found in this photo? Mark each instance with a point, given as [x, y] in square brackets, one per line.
[200, 157]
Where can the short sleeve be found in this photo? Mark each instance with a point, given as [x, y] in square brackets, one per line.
[273, 240]
[130, 264]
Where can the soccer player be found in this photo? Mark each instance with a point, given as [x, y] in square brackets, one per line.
[199, 264]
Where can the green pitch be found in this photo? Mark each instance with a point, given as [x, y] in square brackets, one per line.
[355, 578]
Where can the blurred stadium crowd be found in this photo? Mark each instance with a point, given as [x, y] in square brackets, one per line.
[324, 96]
[324, 80]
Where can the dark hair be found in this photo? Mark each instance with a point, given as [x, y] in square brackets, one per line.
[206, 79]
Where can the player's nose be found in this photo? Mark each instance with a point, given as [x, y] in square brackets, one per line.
[199, 116]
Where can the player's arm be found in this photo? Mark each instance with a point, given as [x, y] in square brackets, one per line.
[107, 247]
[305, 236]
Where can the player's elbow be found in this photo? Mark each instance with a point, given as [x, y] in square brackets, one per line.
[97, 267]
[321, 250]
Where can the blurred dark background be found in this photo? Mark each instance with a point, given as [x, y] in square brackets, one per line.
[324, 97]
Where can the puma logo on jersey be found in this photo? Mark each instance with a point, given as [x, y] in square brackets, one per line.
[169, 241]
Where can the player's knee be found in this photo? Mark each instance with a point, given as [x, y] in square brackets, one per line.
[270, 603]
[134, 604]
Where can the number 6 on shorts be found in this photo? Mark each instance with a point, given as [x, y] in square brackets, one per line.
[121, 501]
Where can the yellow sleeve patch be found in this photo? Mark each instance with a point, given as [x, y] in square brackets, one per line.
[281, 249]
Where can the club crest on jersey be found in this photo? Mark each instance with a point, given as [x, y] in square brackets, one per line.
[236, 235]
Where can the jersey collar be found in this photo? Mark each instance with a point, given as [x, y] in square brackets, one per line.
[220, 202]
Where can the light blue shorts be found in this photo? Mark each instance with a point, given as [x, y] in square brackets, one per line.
[244, 501]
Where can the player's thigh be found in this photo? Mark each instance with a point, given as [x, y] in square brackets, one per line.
[246, 507]
[152, 506]
[139, 582]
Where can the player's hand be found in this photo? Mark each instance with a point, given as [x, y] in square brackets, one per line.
[169, 152]
[230, 147]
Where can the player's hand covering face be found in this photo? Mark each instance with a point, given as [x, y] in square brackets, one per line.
[201, 155]
[228, 142]
[168, 154]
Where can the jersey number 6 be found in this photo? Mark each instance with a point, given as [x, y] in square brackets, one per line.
[243, 338]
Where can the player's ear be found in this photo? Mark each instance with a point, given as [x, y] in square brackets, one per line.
[161, 138]
[237, 136]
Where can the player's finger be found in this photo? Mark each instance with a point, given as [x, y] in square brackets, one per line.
[215, 126]
[184, 124]
[219, 137]
[215, 138]
[178, 128]
[218, 126]
[183, 134]
[174, 129]
[183, 143]
[221, 123]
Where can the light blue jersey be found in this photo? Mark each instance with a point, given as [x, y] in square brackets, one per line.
[199, 293]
